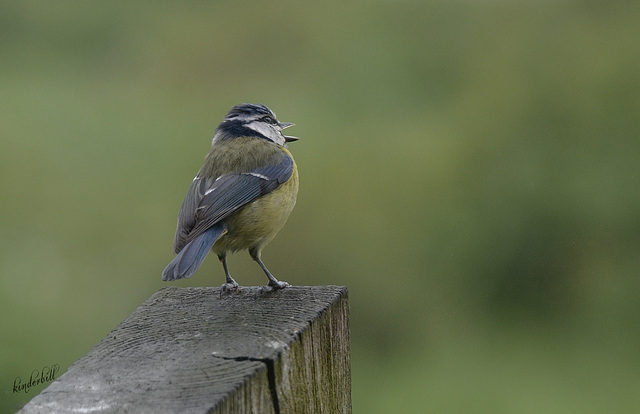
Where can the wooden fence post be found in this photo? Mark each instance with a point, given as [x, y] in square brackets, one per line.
[193, 350]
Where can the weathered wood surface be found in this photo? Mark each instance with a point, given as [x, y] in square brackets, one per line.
[192, 350]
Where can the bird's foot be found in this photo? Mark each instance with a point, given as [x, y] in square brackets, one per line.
[273, 287]
[229, 287]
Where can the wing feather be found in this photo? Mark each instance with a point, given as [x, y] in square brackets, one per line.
[209, 201]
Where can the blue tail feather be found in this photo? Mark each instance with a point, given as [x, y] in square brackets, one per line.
[192, 255]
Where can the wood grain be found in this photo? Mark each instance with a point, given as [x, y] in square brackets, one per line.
[193, 350]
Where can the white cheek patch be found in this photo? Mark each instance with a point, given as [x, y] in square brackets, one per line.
[267, 131]
[261, 128]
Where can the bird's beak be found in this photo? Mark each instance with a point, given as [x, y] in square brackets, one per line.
[288, 138]
[285, 125]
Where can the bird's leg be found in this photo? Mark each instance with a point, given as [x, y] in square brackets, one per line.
[274, 284]
[230, 284]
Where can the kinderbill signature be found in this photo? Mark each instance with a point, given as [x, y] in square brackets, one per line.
[47, 374]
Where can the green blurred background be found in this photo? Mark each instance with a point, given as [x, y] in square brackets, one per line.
[469, 169]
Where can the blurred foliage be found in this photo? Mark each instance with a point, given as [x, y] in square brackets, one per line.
[468, 169]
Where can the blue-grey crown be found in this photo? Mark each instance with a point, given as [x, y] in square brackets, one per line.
[247, 110]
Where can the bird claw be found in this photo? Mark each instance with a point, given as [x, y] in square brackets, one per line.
[273, 287]
[229, 287]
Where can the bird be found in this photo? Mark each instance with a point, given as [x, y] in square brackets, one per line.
[241, 196]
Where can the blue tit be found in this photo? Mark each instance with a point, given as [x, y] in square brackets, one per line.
[240, 198]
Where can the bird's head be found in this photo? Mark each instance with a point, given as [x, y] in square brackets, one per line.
[253, 120]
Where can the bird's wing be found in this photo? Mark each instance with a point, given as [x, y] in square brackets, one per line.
[208, 201]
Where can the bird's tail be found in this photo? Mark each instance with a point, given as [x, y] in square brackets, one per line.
[192, 255]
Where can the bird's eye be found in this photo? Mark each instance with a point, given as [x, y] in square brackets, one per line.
[269, 120]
